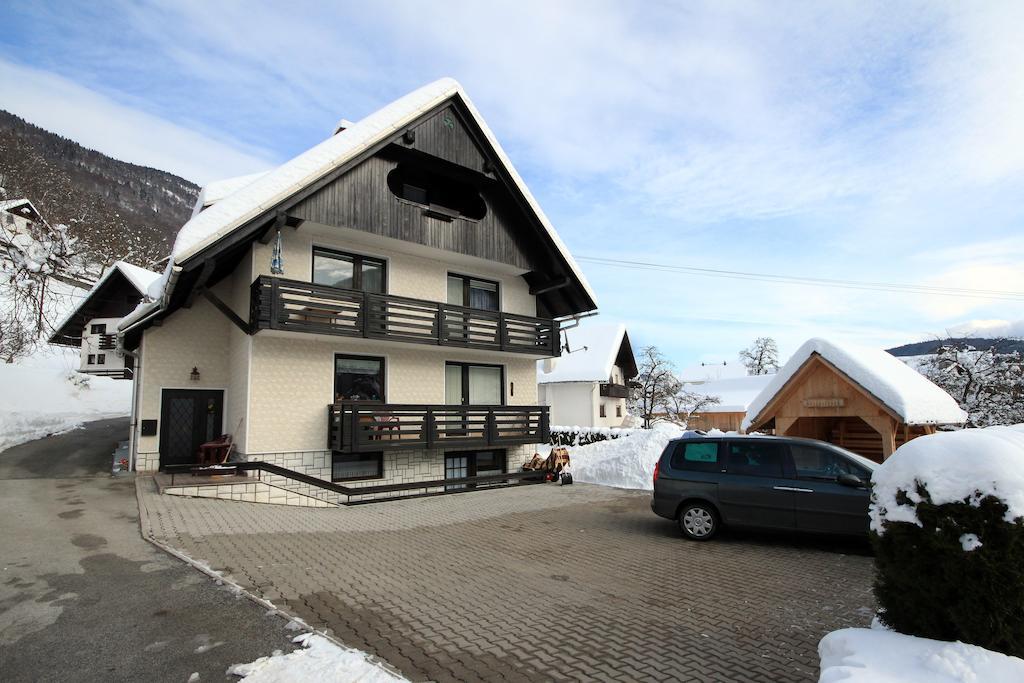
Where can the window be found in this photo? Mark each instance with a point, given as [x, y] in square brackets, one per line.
[348, 271]
[817, 463]
[92, 359]
[755, 457]
[472, 464]
[602, 411]
[696, 456]
[470, 384]
[98, 329]
[101, 359]
[358, 378]
[618, 410]
[347, 467]
[443, 197]
[472, 292]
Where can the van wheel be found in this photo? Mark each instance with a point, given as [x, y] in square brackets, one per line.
[699, 522]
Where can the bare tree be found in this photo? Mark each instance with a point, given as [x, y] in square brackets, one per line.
[681, 403]
[761, 357]
[987, 384]
[30, 252]
[657, 380]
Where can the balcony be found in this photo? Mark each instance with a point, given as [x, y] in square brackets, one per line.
[354, 427]
[609, 390]
[280, 304]
[107, 342]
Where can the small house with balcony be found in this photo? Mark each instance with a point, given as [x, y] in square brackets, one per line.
[370, 312]
[91, 326]
[588, 385]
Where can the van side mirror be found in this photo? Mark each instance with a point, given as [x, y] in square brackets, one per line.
[851, 480]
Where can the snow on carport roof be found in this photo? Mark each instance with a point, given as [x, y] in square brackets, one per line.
[734, 393]
[903, 390]
[595, 347]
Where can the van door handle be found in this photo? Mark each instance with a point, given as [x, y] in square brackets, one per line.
[792, 488]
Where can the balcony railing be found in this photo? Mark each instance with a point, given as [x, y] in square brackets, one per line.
[108, 342]
[280, 304]
[354, 427]
[609, 390]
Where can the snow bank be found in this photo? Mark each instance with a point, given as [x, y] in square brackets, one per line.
[904, 390]
[318, 660]
[625, 463]
[859, 655]
[38, 399]
[953, 466]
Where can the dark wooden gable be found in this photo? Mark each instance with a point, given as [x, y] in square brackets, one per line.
[444, 135]
[115, 298]
[444, 148]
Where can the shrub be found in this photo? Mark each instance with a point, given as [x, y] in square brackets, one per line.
[934, 581]
[581, 436]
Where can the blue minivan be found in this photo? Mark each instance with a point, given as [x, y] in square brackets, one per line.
[780, 483]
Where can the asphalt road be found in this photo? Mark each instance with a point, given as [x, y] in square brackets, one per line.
[83, 597]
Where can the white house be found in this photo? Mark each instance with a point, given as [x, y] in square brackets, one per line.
[369, 312]
[587, 386]
[91, 326]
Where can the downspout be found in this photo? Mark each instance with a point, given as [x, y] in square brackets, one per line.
[133, 442]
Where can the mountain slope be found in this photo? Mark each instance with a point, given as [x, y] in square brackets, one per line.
[117, 210]
[931, 346]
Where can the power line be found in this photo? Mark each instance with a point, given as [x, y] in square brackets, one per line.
[902, 288]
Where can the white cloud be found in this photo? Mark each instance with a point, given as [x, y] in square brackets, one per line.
[988, 328]
[122, 130]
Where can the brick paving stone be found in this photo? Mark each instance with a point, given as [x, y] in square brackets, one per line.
[533, 583]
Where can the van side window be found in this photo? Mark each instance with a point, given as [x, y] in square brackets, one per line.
[755, 458]
[813, 462]
[696, 456]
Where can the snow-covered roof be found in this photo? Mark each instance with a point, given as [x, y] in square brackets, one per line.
[903, 390]
[11, 206]
[139, 278]
[255, 198]
[595, 346]
[704, 372]
[217, 190]
[734, 393]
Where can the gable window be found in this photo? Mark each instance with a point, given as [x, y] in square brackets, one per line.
[603, 411]
[442, 196]
[351, 466]
[358, 378]
[472, 292]
[98, 329]
[92, 359]
[348, 271]
[101, 359]
[618, 411]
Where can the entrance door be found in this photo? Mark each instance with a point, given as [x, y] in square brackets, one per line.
[188, 418]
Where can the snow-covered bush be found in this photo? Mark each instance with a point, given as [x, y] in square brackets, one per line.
[947, 520]
[581, 436]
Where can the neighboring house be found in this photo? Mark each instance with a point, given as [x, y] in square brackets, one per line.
[589, 384]
[91, 326]
[862, 399]
[369, 312]
[17, 217]
[734, 394]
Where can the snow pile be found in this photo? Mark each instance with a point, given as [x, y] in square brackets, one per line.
[38, 398]
[625, 463]
[318, 660]
[896, 385]
[953, 466]
[859, 655]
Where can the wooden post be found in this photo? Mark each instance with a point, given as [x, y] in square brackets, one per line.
[275, 304]
[545, 424]
[430, 427]
[783, 424]
[353, 438]
[490, 429]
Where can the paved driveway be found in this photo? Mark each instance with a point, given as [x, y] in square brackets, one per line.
[534, 583]
[84, 598]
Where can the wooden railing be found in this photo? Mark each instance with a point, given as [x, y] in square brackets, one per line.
[108, 342]
[354, 427]
[280, 304]
[610, 390]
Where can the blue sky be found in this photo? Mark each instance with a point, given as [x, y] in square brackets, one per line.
[856, 141]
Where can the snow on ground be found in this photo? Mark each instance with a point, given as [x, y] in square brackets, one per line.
[625, 463]
[318, 660]
[954, 466]
[860, 655]
[38, 399]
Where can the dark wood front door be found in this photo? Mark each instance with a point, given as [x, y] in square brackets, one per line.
[188, 418]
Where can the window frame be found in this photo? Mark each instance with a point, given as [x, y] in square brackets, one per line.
[602, 411]
[466, 280]
[101, 359]
[90, 359]
[471, 459]
[102, 328]
[355, 356]
[465, 365]
[679, 457]
[854, 467]
[359, 457]
[786, 468]
[357, 268]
